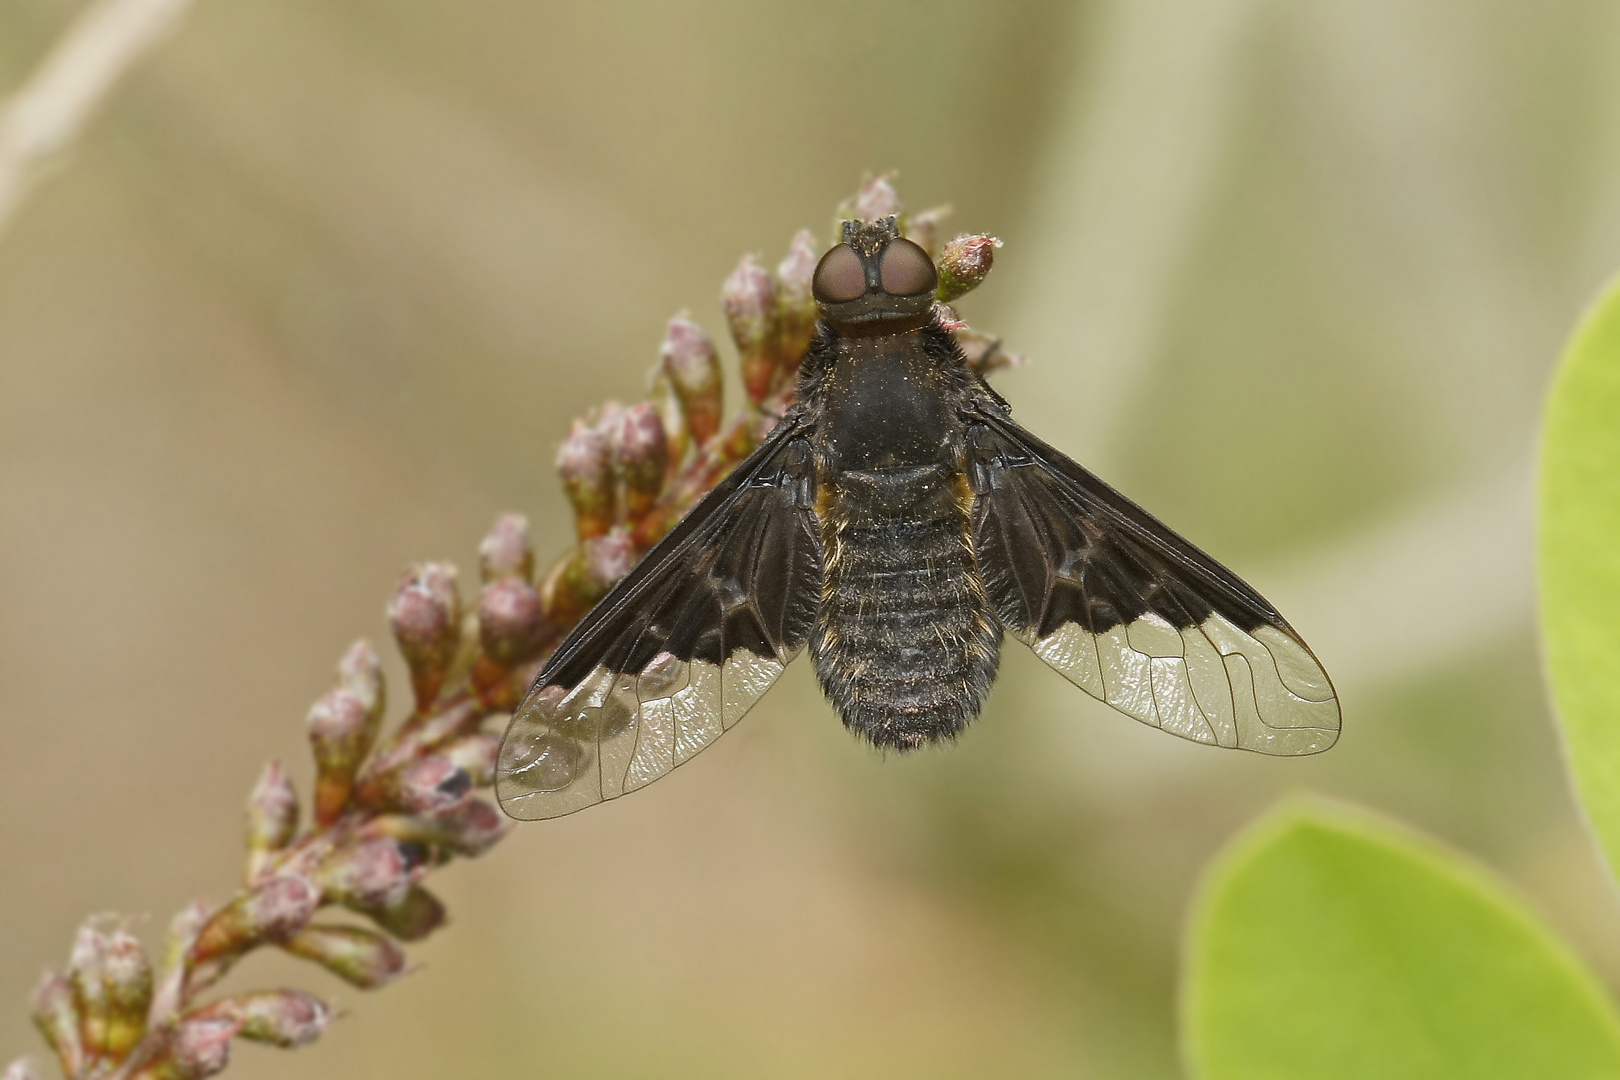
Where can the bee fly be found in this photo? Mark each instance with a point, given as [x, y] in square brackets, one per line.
[898, 522]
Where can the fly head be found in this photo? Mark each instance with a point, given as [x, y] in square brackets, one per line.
[875, 282]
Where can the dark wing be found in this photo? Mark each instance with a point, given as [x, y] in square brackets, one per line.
[678, 650]
[1132, 613]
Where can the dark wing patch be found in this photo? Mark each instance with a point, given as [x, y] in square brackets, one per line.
[1132, 613]
[678, 650]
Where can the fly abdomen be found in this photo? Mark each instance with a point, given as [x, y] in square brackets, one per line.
[906, 644]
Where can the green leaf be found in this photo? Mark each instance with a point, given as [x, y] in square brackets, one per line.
[1579, 555]
[1327, 945]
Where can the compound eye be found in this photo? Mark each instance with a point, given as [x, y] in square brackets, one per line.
[906, 269]
[839, 276]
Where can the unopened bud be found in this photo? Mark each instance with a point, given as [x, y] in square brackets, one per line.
[451, 722]
[127, 975]
[87, 969]
[412, 917]
[476, 754]
[199, 1047]
[272, 818]
[512, 625]
[372, 873]
[21, 1069]
[923, 229]
[749, 300]
[964, 263]
[585, 463]
[796, 310]
[183, 931]
[272, 910]
[341, 733]
[426, 616]
[609, 558]
[359, 957]
[284, 1018]
[468, 829]
[983, 353]
[877, 199]
[692, 366]
[640, 456]
[473, 827]
[583, 576]
[360, 673]
[56, 1014]
[506, 551]
[423, 785]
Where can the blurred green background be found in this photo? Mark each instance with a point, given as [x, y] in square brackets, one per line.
[324, 284]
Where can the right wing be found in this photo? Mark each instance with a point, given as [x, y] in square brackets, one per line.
[1132, 613]
[678, 650]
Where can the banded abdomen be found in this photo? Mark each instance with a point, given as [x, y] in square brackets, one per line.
[906, 643]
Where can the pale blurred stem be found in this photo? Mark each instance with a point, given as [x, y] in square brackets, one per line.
[46, 116]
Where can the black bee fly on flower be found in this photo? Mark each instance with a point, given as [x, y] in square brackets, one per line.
[899, 522]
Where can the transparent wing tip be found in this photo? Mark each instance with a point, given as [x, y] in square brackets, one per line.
[539, 772]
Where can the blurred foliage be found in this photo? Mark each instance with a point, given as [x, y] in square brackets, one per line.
[1580, 561]
[1330, 945]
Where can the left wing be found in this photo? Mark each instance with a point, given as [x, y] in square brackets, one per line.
[1132, 613]
[678, 650]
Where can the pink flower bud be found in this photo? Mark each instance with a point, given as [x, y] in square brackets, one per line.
[923, 229]
[183, 931]
[796, 311]
[198, 1048]
[512, 624]
[56, 1014]
[581, 577]
[272, 910]
[692, 366]
[640, 456]
[127, 975]
[877, 199]
[473, 827]
[272, 818]
[412, 917]
[506, 551]
[21, 1069]
[964, 263]
[341, 733]
[87, 971]
[360, 673]
[983, 353]
[419, 786]
[359, 957]
[425, 734]
[567, 591]
[426, 616]
[373, 873]
[749, 301]
[468, 829]
[584, 461]
[284, 1018]
[608, 558]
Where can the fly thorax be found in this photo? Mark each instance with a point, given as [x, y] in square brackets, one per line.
[885, 404]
